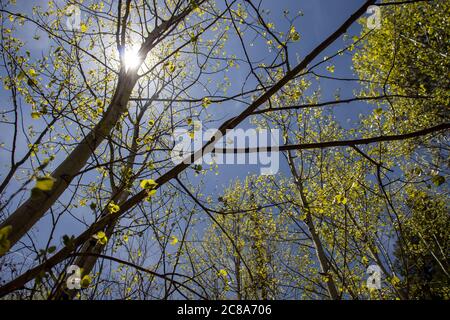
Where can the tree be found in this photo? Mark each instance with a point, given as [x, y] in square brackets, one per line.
[240, 245]
[425, 240]
[408, 57]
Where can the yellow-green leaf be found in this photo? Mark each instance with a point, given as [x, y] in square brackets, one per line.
[85, 281]
[223, 273]
[206, 102]
[148, 184]
[174, 240]
[101, 237]
[5, 244]
[113, 208]
[99, 102]
[45, 183]
[295, 36]
[83, 27]
[395, 281]
[35, 115]
[32, 73]
[170, 66]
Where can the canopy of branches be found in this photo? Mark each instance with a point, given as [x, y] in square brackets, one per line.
[94, 206]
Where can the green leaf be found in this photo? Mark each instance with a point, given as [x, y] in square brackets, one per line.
[101, 237]
[83, 27]
[331, 68]
[113, 208]
[206, 102]
[68, 241]
[378, 111]
[222, 273]
[85, 281]
[5, 244]
[32, 73]
[295, 36]
[148, 184]
[174, 240]
[45, 183]
[170, 66]
[21, 76]
[35, 115]
[438, 180]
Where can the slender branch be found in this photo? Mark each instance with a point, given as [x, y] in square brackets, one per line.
[336, 102]
[343, 143]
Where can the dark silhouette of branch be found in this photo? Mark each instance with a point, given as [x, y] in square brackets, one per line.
[343, 143]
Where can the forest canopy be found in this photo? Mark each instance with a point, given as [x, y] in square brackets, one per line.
[134, 162]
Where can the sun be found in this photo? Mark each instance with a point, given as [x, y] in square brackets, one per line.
[131, 58]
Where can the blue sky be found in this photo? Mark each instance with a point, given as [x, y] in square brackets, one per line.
[320, 19]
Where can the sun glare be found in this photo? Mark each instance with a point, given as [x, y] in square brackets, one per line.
[131, 58]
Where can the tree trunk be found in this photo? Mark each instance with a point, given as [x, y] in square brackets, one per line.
[320, 252]
[34, 208]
